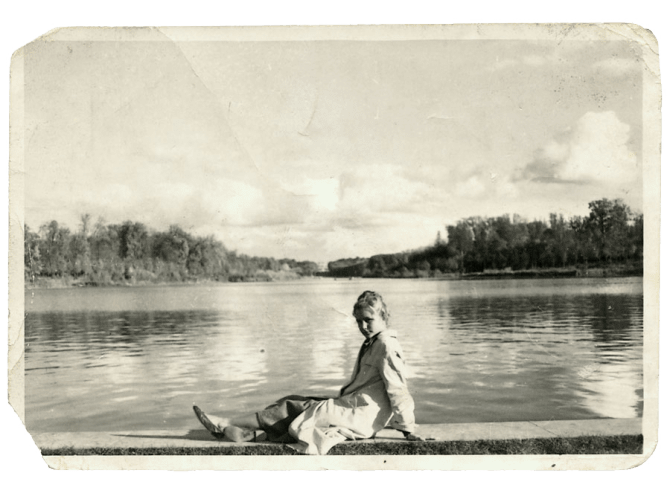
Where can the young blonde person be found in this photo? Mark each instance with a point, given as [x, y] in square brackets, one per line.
[376, 397]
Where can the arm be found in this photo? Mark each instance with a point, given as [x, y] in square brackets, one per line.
[392, 370]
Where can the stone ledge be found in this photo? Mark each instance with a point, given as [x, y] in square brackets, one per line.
[200, 438]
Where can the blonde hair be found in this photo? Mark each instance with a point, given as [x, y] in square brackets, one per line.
[374, 301]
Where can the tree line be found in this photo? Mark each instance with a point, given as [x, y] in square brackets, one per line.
[610, 235]
[131, 252]
[103, 253]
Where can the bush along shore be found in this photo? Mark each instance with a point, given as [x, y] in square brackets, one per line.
[607, 242]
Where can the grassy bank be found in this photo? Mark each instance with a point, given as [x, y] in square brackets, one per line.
[69, 282]
[587, 445]
[633, 269]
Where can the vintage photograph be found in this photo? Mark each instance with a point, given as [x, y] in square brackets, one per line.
[379, 242]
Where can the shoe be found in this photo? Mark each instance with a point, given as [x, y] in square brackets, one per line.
[216, 431]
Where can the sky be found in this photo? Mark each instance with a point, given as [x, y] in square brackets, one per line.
[320, 150]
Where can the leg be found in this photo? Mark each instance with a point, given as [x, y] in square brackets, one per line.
[248, 421]
[276, 419]
[238, 429]
[242, 428]
[273, 420]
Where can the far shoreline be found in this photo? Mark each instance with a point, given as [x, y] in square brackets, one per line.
[553, 273]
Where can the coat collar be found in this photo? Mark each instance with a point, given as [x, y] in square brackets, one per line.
[387, 332]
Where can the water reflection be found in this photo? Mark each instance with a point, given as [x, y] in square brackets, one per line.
[130, 359]
[555, 356]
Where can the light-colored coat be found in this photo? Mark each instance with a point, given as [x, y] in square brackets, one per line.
[376, 396]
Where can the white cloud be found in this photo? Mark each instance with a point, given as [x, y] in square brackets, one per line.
[232, 202]
[215, 203]
[594, 150]
[472, 187]
[165, 148]
[115, 193]
[383, 189]
[174, 192]
[599, 150]
[555, 152]
[323, 194]
[111, 202]
[506, 189]
[409, 231]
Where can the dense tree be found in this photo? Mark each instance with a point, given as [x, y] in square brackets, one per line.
[172, 246]
[608, 222]
[460, 239]
[110, 253]
[610, 233]
[31, 254]
[558, 238]
[80, 253]
[134, 241]
[54, 249]
[104, 242]
[105, 254]
[207, 257]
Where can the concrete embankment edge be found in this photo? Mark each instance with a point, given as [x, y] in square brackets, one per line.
[200, 438]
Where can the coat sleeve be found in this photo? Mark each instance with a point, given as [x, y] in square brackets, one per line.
[392, 370]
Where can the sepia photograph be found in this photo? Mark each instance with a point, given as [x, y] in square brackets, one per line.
[416, 247]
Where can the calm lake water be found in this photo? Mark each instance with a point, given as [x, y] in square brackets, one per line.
[478, 351]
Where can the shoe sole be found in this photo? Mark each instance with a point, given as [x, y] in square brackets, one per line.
[208, 424]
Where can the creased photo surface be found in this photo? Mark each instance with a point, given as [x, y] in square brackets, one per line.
[357, 247]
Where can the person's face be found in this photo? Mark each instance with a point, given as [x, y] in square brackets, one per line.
[369, 322]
